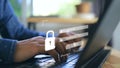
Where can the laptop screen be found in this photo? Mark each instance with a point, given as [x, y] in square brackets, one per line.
[102, 33]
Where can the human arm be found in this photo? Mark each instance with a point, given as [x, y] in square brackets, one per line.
[11, 26]
[12, 51]
[7, 48]
[28, 48]
[12, 29]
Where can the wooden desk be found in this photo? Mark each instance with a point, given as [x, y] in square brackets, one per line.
[62, 20]
[33, 20]
[114, 60]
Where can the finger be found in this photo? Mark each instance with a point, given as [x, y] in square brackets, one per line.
[69, 41]
[61, 47]
[63, 35]
[77, 39]
[58, 58]
[63, 58]
[73, 40]
[55, 55]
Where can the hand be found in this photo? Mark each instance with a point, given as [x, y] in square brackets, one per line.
[25, 49]
[28, 48]
[57, 52]
[70, 41]
[61, 35]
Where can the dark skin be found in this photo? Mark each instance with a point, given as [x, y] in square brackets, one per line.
[28, 48]
[70, 41]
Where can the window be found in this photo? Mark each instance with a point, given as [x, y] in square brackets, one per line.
[54, 7]
[16, 4]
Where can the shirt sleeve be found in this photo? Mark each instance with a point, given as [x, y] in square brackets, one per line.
[7, 49]
[12, 28]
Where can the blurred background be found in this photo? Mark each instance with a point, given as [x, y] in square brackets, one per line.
[53, 8]
[62, 8]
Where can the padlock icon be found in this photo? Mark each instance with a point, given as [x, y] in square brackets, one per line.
[50, 41]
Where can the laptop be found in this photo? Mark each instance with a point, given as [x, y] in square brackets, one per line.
[94, 54]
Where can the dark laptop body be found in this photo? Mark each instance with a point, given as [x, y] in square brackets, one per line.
[102, 34]
[93, 55]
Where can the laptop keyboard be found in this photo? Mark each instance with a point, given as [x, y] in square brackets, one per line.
[71, 57]
[49, 61]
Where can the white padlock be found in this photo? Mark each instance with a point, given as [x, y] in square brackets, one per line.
[50, 41]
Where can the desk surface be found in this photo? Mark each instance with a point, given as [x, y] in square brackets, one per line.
[62, 20]
[114, 60]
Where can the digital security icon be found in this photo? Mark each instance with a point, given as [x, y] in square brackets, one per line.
[50, 41]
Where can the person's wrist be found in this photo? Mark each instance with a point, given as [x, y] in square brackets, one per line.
[41, 49]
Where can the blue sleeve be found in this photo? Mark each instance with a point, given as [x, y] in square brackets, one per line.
[12, 28]
[49, 35]
[11, 31]
[7, 49]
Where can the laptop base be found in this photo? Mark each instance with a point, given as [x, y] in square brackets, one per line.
[97, 61]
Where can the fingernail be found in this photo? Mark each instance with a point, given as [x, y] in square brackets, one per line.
[64, 55]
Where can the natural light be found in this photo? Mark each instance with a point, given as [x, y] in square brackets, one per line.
[50, 7]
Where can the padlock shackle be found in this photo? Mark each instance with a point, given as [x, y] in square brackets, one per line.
[50, 31]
